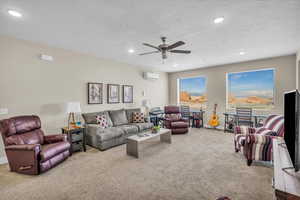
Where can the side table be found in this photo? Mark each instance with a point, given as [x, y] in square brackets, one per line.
[197, 118]
[76, 137]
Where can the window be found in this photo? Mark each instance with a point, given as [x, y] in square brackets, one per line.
[192, 92]
[253, 89]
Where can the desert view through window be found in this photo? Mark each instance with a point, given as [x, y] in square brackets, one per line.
[193, 92]
[253, 89]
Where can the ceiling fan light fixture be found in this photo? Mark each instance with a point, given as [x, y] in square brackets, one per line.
[165, 48]
[219, 20]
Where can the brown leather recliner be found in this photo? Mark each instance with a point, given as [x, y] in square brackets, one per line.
[27, 149]
[174, 121]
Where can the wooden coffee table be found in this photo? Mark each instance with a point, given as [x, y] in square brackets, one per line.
[133, 142]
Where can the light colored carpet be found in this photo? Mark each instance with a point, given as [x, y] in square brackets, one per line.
[201, 165]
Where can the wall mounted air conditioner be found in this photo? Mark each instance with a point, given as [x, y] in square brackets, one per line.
[150, 76]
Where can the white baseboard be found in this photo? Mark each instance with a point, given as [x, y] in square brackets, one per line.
[3, 160]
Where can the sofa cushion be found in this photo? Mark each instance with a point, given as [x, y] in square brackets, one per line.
[129, 129]
[90, 118]
[110, 133]
[179, 124]
[129, 113]
[118, 117]
[50, 150]
[143, 126]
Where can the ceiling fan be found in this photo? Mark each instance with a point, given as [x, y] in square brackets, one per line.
[164, 48]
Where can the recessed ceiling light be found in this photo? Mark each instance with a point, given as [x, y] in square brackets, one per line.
[175, 65]
[14, 13]
[242, 53]
[218, 20]
[131, 51]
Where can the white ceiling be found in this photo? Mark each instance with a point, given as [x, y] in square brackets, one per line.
[108, 28]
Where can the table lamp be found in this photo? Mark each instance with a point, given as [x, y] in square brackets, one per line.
[72, 108]
[3, 111]
[147, 105]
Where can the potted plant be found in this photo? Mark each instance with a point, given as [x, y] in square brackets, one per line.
[155, 129]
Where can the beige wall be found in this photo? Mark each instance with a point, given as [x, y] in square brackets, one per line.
[29, 85]
[285, 80]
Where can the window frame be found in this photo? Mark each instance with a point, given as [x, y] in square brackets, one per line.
[252, 70]
[189, 77]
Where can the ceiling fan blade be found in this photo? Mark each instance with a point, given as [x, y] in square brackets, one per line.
[141, 54]
[176, 44]
[180, 51]
[150, 45]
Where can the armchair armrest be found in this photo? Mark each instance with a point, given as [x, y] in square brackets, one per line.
[259, 139]
[48, 139]
[24, 147]
[93, 129]
[167, 122]
[23, 158]
[244, 130]
[184, 120]
[258, 147]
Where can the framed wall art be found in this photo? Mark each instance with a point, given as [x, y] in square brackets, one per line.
[113, 93]
[95, 93]
[127, 94]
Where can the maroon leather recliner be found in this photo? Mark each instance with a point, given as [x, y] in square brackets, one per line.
[27, 149]
[174, 121]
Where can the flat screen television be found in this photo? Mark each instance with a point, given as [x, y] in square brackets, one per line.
[291, 126]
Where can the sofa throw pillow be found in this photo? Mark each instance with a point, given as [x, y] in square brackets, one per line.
[102, 121]
[90, 118]
[138, 117]
[129, 113]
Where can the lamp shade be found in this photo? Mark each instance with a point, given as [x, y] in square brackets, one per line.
[3, 111]
[73, 107]
[146, 103]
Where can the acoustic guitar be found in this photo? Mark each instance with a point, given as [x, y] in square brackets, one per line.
[214, 119]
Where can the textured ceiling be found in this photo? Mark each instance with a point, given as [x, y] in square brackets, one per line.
[108, 28]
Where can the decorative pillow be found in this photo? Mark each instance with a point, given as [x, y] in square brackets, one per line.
[173, 116]
[90, 118]
[129, 113]
[138, 117]
[102, 121]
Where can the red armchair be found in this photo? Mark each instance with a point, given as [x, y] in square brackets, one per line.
[174, 121]
[27, 149]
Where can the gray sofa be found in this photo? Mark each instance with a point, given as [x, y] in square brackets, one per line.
[120, 127]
